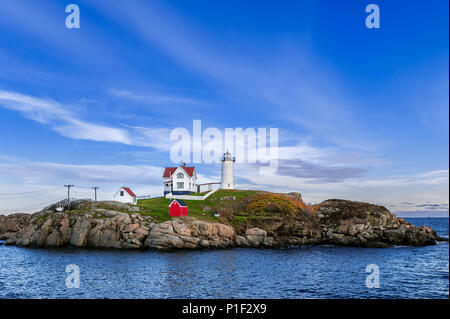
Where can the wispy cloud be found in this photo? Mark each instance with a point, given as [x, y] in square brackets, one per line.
[152, 97]
[285, 83]
[438, 177]
[293, 89]
[135, 174]
[317, 185]
[433, 206]
[44, 22]
[323, 174]
[64, 121]
[60, 118]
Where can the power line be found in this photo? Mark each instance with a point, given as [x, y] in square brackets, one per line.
[20, 197]
[84, 193]
[30, 194]
[81, 193]
[34, 192]
[87, 187]
[34, 206]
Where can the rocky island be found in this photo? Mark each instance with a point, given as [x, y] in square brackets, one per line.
[226, 219]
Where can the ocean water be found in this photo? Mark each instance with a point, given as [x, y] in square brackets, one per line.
[305, 272]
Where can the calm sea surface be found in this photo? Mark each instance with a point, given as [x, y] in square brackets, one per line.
[306, 272]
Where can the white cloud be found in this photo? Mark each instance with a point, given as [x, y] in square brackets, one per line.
[64, 121]
[82, 173]
[292, 86]
[61, 119]
[152, 97]
[432, 186]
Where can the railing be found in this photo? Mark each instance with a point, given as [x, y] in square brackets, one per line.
[144, 197]
[228, 158]
[190, 197]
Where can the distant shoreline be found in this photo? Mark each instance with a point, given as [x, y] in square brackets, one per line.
[406, 216]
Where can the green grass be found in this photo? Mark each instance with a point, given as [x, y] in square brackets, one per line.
[158, 207]
[199, 194]
[238, 220]
[42, 218]
[106, 206]
[87, 208]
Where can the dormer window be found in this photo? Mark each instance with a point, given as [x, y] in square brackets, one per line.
[180, 175]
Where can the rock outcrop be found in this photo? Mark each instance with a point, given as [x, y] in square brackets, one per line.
[360, 224]
[11, 224]
[100, 228]
[337, 222]
[190, 233]
[112, 229]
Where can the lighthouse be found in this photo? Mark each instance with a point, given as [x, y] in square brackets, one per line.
[227, 181]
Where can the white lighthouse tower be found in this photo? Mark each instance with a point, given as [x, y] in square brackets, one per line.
[227, 181]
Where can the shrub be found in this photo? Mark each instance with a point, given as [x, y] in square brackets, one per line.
[271, 204]
[225, 212]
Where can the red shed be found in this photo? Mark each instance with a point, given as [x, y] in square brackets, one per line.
[178, 208]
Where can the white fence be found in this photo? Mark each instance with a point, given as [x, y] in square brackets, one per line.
[190, 197]
[207, 187]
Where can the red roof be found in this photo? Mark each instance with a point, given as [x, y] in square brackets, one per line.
[168, 172]
[179, 201]
[129, 191]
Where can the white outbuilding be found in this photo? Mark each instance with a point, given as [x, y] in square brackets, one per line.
[125, 195]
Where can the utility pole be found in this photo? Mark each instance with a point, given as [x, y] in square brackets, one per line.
[68, 195]
[95, 190]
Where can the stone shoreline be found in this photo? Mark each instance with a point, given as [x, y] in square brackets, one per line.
[101, 228]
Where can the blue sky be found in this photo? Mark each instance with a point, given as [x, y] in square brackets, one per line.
[362, 113]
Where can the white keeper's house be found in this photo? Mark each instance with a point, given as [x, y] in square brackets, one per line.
[181, 180]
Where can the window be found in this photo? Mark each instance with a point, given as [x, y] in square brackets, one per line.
[180, 185]
[121, 193]
[180, 175]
